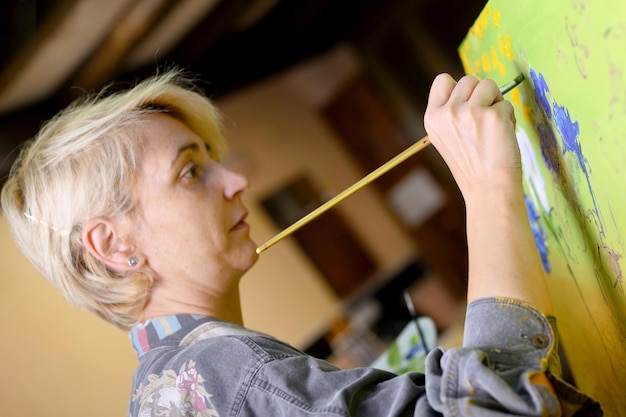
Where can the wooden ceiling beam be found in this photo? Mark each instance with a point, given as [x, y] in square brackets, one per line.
[37, 40]
[136, 22]
[218, 25]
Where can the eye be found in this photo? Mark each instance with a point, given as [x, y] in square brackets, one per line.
[192, 171]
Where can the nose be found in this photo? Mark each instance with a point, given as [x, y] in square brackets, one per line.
[234, 182]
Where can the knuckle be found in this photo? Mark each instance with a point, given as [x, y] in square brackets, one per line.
[469, 78]
[487, 82]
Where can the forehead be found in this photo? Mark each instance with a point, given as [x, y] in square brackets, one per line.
[164, 130]
[164, 139]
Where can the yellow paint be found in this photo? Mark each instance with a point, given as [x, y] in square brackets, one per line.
[483, 22]
[527, 111]
[496, 18]
[577, 51]
[507, 47]
[500, 45]
[464, 59]
[485, 62]
[470, 387]
[478, 30]
[515, 97]
[496, 62]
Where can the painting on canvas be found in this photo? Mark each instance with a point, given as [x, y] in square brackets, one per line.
[571, 127]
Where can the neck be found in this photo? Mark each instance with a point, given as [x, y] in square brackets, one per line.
[219, 304]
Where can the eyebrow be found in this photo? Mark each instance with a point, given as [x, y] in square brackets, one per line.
[183, 149]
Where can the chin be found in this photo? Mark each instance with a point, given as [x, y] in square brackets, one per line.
[251, 256]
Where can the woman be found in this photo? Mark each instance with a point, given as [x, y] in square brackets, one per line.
[123, 203]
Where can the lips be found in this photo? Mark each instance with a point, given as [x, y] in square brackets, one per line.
[241, 222]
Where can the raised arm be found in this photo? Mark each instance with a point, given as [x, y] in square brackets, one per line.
[473, 128]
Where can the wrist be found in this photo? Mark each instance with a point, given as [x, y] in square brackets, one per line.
[505, 196]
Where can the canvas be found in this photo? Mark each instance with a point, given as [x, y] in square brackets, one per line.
[571, 127]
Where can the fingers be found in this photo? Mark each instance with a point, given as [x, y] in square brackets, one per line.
[446, 95]
[478, 92]
[486, 93]
[445, 90]
[440, 91]
[473, 128]
[506, 108]
[464, 89]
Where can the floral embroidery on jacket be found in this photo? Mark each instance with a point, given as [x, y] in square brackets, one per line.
[174, 395]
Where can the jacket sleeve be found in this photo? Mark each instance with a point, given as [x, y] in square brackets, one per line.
[506, 343]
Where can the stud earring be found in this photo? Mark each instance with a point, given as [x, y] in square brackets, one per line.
[133, 261]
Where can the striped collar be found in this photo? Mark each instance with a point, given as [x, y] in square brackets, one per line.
[182, 330]
[166, 330]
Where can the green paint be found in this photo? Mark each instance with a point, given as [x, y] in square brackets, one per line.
[571, 113]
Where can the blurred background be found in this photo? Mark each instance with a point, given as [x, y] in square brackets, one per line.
[315, 94]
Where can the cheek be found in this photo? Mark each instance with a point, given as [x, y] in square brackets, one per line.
[181, 223]
[157, 231]
[184, 234]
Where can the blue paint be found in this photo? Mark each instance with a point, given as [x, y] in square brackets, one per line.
[541, 90]
[549, 148]
[569, 131]
[538, 234]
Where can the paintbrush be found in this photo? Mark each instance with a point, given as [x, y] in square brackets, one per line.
[392, 163]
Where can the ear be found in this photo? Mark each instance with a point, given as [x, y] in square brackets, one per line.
[101, 237]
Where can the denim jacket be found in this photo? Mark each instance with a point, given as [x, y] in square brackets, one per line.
[199, 366]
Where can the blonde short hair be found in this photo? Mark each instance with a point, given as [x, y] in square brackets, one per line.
[83, 164]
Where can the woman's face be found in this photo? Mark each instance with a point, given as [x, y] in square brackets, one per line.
[191, 225]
